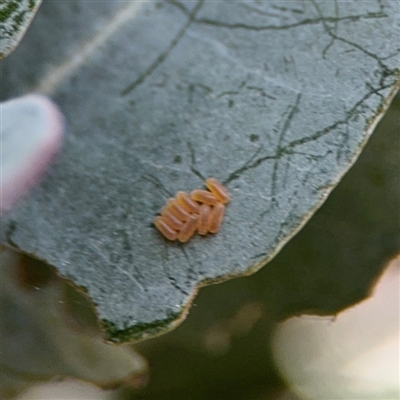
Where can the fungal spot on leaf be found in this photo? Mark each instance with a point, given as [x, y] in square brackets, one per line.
[254, 137]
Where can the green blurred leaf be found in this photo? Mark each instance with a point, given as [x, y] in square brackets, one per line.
[40, 338]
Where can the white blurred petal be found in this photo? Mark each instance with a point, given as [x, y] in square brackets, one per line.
[355, 356]
[68, 389]
[31, 134]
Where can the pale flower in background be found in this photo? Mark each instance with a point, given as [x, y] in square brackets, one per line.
[68, 389]
[353, 356]
[31, 133]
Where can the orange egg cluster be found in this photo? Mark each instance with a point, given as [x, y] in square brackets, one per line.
[201, 211]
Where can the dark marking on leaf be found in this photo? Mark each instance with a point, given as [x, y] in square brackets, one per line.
[12, 226]
[254, 137]
[158, 184]
[193, 162]
[160, 59]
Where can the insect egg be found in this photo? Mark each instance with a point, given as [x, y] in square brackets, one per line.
[177, 210]
[188, 229]
[218, 190]
[182, 216]
[215, 218]
[187, 203]
[203, 219]
[170, 219]
[203, 196]
[165, 229]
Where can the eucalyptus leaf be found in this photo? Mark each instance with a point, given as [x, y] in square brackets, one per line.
[276, 100]
[15, 18]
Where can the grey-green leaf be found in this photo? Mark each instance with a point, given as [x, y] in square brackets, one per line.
[15, 18]
[275, 101]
